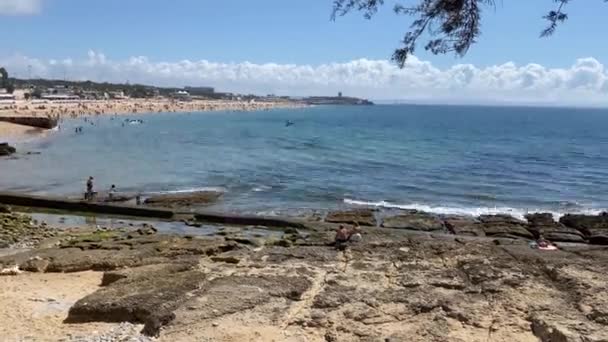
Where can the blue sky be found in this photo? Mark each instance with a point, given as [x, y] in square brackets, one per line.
[296, 32]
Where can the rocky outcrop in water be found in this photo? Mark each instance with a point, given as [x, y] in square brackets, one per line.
[595, 228]
[364, 217]
[467, 226]
[6, 149]
[415, 221]
[504, 226]
[184, 199]
[542, 224]
[591, 229]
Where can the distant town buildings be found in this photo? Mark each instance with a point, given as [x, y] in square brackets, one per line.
[59, 93]
[200, 91]
[116, 95]
[5, 97]
[336, 100]
[73, 91]
[182, 95]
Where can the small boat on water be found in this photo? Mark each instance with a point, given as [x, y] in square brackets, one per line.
[134, 122]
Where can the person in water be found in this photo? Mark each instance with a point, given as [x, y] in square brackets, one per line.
[89, 194]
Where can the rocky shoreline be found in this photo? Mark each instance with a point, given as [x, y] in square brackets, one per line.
[414, 277]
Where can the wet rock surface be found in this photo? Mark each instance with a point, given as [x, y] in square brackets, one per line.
[504, 226]
[364, 217]
[464, 226]
[183, 199]
[542, 224]
[20, 231]
[415, 221]
[594, 227]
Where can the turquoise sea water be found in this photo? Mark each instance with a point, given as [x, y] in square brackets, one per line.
[448, 159]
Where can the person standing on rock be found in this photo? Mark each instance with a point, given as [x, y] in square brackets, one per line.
[112, 191]
[89, 194]
[342, 237]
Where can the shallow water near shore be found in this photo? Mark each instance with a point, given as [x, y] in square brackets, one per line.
[445, 159]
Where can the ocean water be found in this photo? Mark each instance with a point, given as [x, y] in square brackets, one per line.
[445, 159]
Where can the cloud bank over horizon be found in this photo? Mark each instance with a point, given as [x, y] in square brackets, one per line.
[20, 7]
[583, 83]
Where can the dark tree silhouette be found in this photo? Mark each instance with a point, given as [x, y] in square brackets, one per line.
[5, 81]
[3, 78]
[453, 25]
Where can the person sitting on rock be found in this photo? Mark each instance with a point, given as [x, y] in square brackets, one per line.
[355, 234]
[545, 245]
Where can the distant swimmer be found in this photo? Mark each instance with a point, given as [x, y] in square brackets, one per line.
[289, 123]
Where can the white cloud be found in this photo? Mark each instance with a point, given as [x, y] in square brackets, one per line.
[585, 82]
[20, 7]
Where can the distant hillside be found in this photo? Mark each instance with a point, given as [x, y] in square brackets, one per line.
[337, 100]
[132, 90]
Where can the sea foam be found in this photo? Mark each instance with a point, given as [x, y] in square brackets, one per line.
[470, 211]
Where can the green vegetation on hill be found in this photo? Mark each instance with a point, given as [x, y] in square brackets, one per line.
[131, 90]
[5, 81]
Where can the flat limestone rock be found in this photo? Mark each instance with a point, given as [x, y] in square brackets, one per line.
[598, 237]
[593, 227]
[542, 224]
[364, 217]
[586, 223]
[464, 226]
[129, 251]
[504, 226]
[540, 219]
[184, 199]
[415, 221]
[149, 299]
[143, 273]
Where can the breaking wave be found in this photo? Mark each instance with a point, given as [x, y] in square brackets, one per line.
[471, 211]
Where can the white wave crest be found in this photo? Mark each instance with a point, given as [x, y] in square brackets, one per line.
[470, 211]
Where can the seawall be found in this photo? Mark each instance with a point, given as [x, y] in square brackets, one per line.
[33, 121]
[65, 204]
[81, 206]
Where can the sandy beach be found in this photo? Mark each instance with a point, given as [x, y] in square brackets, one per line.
[11, 130]
[46, 298]
[121, 107]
